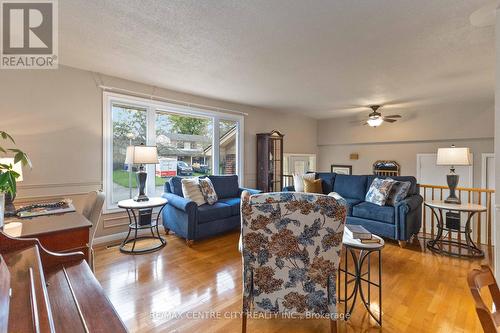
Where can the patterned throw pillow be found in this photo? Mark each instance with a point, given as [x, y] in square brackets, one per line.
[399, 192]
[313, 186]
[208, 191]
[191, 190]
[379, 191]
[298, 181]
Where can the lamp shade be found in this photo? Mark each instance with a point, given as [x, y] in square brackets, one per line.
[453, 156]
[17, 167]
[141, 155]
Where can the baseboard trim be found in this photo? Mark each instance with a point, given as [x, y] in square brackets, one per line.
[102, 240]
[113, 238]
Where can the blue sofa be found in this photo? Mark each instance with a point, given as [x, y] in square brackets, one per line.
[400, 222]
[194, 222]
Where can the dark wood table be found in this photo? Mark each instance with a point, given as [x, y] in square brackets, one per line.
[66, 232]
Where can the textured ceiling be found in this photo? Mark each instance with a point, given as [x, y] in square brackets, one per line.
[321, 58]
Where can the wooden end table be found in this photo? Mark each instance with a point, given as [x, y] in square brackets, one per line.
[439, 242]
[132, 207]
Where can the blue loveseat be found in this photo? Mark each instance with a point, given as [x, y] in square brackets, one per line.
[194, 222]
[400, 222]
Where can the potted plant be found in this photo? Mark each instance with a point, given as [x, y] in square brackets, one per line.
[8, 175]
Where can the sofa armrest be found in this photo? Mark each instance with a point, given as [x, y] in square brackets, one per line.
[180, 203]
[290, 188]
[413, 202]
[409, 217]
[249, 190]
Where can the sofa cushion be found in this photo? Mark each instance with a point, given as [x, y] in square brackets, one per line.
[208, 190]
[379, 191]
[371, 211]
[234, 203]
[176, 185]
[399, 191]
[413, 188]
[328, 178]
[350, 186]
[298, 181]
[217, 211]
[226, 186]
[313, 186]
[191, 190]
[351, 203]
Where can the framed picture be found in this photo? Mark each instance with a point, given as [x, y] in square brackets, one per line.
[341, 169]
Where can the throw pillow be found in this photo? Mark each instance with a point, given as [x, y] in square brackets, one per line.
[191, 190]
[399, 192]
[379, 191]
[313, 186]
[298, 181]
[208, 190]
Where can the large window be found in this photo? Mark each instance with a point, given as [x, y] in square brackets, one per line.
[182, 142]
[191, 142]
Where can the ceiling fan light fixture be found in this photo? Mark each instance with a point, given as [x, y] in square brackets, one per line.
[374, 122]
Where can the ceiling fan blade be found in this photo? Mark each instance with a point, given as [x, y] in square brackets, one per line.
[393, 116]
[390, 120]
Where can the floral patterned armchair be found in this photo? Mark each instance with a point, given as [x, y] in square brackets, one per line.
[291, 245]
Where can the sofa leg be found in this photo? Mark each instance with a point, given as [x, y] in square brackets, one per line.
[402, 244]
[189, 242]
[167, 231]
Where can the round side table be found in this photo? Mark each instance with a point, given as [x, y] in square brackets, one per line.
[439, 242]
[353, 246]
[132, 207]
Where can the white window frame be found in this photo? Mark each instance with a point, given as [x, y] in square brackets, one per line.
[152, 106]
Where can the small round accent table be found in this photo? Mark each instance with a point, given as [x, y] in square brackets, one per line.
[439, 242]
[133, 209]
[353, 246]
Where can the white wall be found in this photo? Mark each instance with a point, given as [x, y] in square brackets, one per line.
[56, 117]
[419, 131]
[404, 153]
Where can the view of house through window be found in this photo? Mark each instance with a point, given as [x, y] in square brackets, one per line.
[129, 128]
[182, 143]
[227, 147]
[185, 142]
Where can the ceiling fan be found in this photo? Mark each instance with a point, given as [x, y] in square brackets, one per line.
[376, 119]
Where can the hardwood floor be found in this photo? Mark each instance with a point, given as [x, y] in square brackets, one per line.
[422, 292]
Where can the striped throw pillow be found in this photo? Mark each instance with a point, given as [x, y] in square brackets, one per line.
[191, 190]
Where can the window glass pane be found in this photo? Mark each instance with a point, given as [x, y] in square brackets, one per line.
[184, 147]
[228, 147]
[129, 128]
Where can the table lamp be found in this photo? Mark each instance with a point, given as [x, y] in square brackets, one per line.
[141, 155]
[10, 209]
[453, 156]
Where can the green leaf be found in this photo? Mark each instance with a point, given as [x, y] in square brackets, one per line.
[3, 178]
[21, 157]
[3, 150]
[18, 157]
[12, 181]
[6, 136]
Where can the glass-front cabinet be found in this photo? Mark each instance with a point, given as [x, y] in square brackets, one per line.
[270, 161]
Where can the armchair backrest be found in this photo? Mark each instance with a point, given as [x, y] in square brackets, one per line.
[291, 245]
